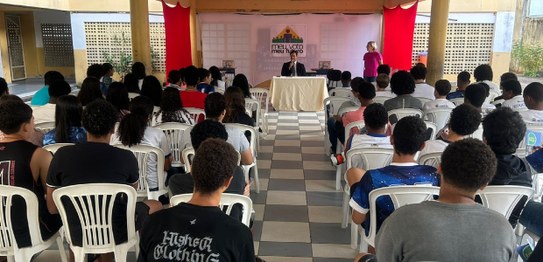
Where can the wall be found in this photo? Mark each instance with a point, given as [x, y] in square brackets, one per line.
[472, 5]
[6, 73]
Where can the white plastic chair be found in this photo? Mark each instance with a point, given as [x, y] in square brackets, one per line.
[93, 204]
[262, 95]
[226, 204]
[400, 196]
[432, 126]
[45, 127]
[367, 158]
[132, 95]
[54, 147]
[348, 130]
[430, 159]
[174, 133]
[187, 155]
[439, 116]
[196, 113]
[143, 153]
[8, 244]
[381, 99]
[424, 99]
[341, 92]
[478, 134]
[333, 104]
[403, 112]
[250, 106]
[251, 169]
[457, 101]
[503, 199]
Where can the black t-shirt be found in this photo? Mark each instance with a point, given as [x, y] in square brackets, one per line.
[94, 163]
[15, 170]
[195, 233]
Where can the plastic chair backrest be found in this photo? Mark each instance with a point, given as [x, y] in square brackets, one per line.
[403, 112]
[45, 127]
[381, 99]
[341, 92]
[54, 147]
[93, 205]
[335, 103]
[253, 105]
[424, 99]
[478, 134]
[493, 94]
[197, 114]
[432, 126]
[262, 96]
[143, 154]
[430, 159]
[400, 195]
[347, 109]
[187, 155]
[503, 199]
[250, 129]
[226, 204]
[174, 133]
[369, 157]
[354, 128]
[439, 116]
[457, 101]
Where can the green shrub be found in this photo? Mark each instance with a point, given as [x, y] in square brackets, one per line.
[529, 57]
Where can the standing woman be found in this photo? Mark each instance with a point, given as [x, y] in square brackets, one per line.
[372, 59]
[67, 122]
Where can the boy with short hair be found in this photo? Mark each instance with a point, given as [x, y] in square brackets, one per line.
[462, 81]
[533, 98]
[442, 89]
[512, 93]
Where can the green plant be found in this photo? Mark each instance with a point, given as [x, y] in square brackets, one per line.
[529, 57]
[154, 60]
[121, 61]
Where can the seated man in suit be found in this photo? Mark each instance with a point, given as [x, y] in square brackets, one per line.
[293, 68]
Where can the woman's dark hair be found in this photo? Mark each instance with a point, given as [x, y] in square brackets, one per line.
[131, 83]
[235, 103]
[170, 105]
[152, 88]
[402, 83]
[215, 75]
[90, 91]
[132, 126]
[240, 80]
[117, 95]
[95, 70]
[106, 67]
[138, 69]
[4, 90]
[202, 74]
[68, 111]
[52, 76]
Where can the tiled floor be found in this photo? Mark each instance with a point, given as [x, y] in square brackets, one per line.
[298, 211]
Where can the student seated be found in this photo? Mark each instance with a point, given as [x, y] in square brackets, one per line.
[346, 79]
[23, 164]
[483, 73]
[41, 97]
[443, 87]
[199, 228]
[464, 120]
[512, 93]
[171, 108]
[455, 227]
[533, 98]
[382, 84]
[191, 97]
[462, 81]
[67, 122]
[403, 85]
[422, 89]
[407, 139]
[475, 95]
[46, 113]
[204, 77]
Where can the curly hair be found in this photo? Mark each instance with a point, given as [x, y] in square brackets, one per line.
[355, 84]
[90, 91]
[508, 76]
[171, 106]
[13, 114]
[465, 119]
[214, 163]
[418, 72]
[383, 69]
[366, 90]
[152, 88]
[68, 112]
[503, 130]
[117, 95]
[375, 116]
[468, 164]
[475, 94]
[402, 83]
[513, 86]
[99, 117]
[483, 72]
[535, 91]
[463, 76]
[443, 87]
[207, 129]
[132, 126]
[409, 135]
[214, 105]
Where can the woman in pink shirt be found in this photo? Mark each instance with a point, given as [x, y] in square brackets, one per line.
[372, 59]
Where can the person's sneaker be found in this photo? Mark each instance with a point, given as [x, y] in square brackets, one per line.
[337, 159]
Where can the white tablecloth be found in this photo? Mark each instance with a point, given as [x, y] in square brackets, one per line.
[298, 93]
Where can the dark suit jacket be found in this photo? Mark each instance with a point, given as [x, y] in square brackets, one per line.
[300, 69]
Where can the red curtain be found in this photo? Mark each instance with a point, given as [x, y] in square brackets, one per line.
[399, 26]
[178, 45]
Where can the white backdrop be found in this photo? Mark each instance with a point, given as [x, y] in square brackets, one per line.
[246, 39]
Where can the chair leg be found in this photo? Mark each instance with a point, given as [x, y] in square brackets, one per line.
[354, 236]
[363, 245]
[345, 211]
[61, 250]
[79, 255]
[11, 258]
[338, 177]
[256, 178]
[121, 254]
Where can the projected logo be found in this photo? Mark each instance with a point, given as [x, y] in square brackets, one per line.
[288, 39]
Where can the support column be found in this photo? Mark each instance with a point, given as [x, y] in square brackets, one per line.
[436, 42]
[139, 27]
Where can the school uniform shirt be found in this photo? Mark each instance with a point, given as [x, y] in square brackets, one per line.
[532, 116]
[45, 113]
[438, 103]
[516, 103]
[424, 90]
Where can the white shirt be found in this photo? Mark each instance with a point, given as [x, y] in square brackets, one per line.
[385, 93]
[433, 146]
[366, 141]
[532, 116]
[493, 87]
[424, 90]
[45, 113]
[438, 103]
[516, 103]
[235, 137]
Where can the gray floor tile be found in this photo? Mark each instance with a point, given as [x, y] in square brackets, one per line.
[286, 113]
[287, 156]
[286, 232]
[320, 174]
[287, 149]
[307, 117]
[286, 213]
[321, 259]
[314, 157]
[288, 120]
[257, 230]
[289, 259]
[325, 214]
[264, 173]
[287, 137]
[285, 249]
[267, 142]
[325, 198]
[265, 156]
[287, 164]
[289, 127]
[287, 184]
[296, 198]
[259, 198]
[287, 173]
[328, 233]
[311, 143]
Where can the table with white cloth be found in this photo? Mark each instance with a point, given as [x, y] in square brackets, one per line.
[298, 93]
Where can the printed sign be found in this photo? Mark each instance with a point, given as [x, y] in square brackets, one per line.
[533, 138]
[287, 38]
